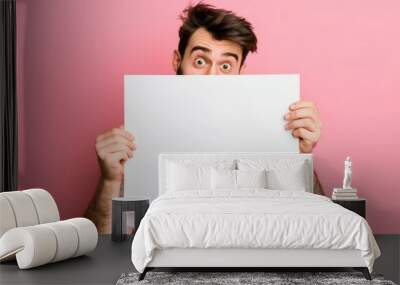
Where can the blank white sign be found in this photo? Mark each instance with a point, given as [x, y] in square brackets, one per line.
[197, 113]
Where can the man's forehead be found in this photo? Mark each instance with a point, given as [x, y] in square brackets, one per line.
[203, 38]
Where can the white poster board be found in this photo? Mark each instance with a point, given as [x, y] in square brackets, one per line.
[197, 113]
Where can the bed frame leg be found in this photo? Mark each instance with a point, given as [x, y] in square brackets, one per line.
[364, 271]
[143, 274]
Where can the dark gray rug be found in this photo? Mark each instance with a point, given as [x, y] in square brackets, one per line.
[273, 278]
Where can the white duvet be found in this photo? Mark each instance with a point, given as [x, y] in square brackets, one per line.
[250, 218]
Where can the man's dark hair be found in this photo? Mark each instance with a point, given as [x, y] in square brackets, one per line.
[222, 24]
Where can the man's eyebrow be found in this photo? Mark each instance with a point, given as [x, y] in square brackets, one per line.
[207, 50]
[231, 54]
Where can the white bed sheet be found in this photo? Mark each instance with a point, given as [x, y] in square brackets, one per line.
[250, 218]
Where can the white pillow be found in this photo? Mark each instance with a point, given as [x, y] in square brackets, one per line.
[186, 174]
[236, 179]
[223, 179]
[282, 174]
[185, 177]
[287, 179]
[251, 178]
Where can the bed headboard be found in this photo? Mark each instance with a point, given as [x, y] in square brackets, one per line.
[165, 157]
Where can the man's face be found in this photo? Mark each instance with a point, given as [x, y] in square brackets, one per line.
[206, 56]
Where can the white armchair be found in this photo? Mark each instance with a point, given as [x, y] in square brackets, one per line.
[31, 230]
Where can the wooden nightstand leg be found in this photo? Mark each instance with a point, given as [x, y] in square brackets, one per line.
[364, 271]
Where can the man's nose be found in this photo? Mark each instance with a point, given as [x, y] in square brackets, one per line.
[213, 70]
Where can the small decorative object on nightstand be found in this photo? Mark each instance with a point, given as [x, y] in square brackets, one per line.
[346, 192]
[127, 212]
[358, 205]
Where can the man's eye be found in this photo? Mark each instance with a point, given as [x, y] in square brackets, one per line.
[226, 66]
[200, 62]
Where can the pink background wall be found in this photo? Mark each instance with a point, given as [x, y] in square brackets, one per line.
[72, 55]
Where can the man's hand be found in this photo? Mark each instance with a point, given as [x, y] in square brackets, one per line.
[113, 149]
[303, 120]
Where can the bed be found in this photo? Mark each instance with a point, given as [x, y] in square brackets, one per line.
[246, 210]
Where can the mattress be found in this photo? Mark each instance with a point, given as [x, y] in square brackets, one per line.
[250, 218]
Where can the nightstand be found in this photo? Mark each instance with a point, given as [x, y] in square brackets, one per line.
[127, 212]
[358, 206]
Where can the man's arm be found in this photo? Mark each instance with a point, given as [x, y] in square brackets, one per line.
[304, 122]
[100, 207]
[113, 149]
